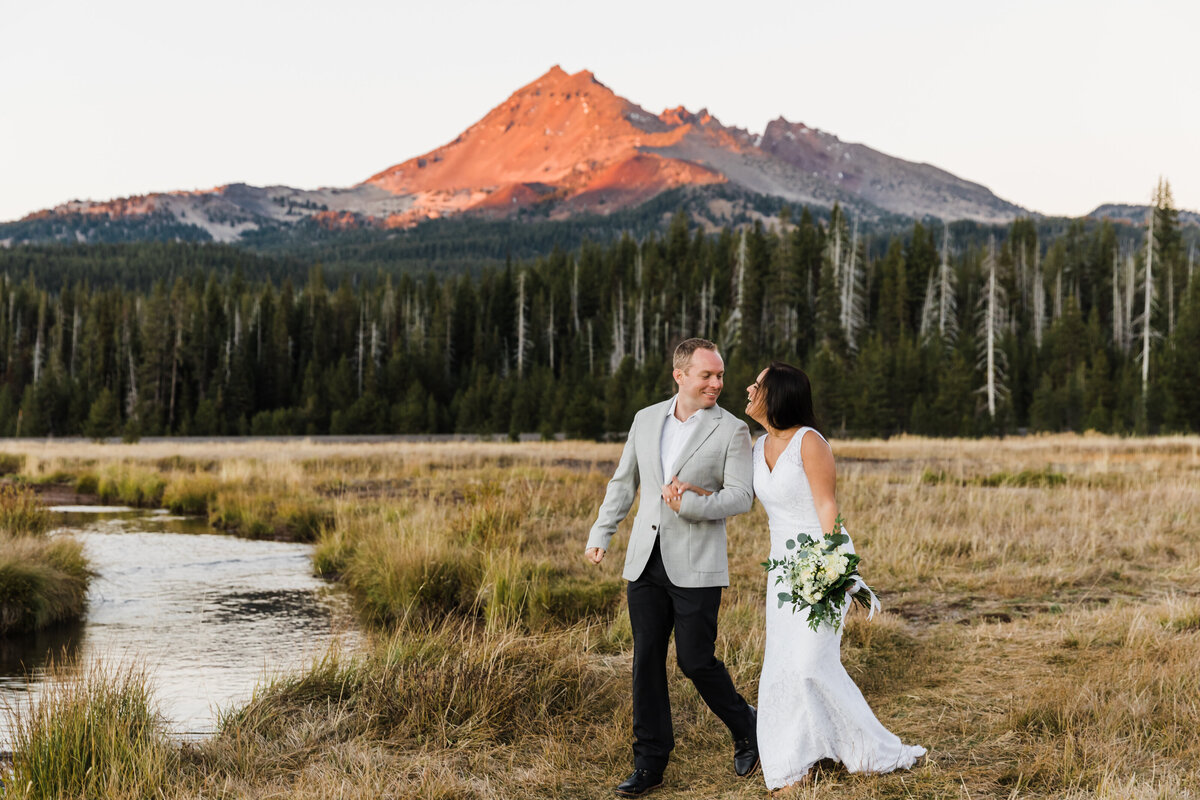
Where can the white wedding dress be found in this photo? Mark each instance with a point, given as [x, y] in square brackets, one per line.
[808, 707]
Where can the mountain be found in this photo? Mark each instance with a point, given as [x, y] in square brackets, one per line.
[1137, 215]
[561, 146]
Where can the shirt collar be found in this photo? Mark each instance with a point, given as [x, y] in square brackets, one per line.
[671, 411]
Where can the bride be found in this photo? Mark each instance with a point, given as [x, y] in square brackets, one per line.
[808, 707]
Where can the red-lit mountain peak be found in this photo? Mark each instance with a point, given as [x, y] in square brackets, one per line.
[564, 134]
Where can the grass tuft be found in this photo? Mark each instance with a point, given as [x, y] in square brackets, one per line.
[131, 485]
[21, 514]
[263, 513]
[91, 734]
[11, 463]
[190, 493]
[42, 582]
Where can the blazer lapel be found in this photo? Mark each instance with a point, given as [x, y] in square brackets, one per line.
[707, 423]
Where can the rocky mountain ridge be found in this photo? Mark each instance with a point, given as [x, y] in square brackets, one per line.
[561, 146]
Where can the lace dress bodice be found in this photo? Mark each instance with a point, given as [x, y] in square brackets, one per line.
[785, 493]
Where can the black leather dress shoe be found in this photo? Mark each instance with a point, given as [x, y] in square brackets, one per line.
[745, 751]
[639, 783]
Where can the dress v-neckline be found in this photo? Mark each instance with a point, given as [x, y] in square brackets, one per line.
[770, 469]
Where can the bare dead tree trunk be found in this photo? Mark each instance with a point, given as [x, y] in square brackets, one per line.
[1149, 292]
[550, 333]
[1058, 291]
[947, 294]
[639, 336]
[618, 333]
[1039, 300]
[359, 349]
[1118, 331]
[591, 352]
[927, 308]
[575, 294]
[993, 315]
[74, 337]
[1130, 284]
[731, 336]
[521, 325]
[1170, 297]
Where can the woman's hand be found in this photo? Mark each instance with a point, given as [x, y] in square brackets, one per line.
[672, 493]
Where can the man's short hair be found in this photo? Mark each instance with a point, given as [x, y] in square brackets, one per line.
[683, 353]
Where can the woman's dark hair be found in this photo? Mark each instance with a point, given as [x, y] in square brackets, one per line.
[789, 397]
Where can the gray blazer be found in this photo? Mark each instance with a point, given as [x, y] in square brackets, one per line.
[692, 542]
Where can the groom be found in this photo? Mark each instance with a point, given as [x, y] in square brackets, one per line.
[676, 562]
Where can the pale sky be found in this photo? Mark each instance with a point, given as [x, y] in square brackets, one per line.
[1055, 106]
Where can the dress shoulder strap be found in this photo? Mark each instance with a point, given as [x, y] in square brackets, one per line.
[806, 429]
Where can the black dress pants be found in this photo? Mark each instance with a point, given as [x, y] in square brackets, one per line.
[655, 607]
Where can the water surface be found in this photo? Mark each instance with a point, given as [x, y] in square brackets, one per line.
[208, 615]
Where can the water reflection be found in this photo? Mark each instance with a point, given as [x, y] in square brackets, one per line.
[21, 655]
[208, 615]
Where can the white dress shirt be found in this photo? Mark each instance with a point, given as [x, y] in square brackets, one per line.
[675, 435]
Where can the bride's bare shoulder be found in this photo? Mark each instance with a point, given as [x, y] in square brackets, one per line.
[815, 451]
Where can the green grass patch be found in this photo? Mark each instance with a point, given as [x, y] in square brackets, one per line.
[131, 485]
[94, 734]
[393, 585]
[42, 582]
[190, 493]
[260, 514]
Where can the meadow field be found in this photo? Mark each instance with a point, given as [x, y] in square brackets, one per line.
[1040, 632]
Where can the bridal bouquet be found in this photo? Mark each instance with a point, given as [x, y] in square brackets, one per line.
[819, 575]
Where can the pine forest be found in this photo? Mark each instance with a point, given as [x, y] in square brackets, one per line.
[943, 330]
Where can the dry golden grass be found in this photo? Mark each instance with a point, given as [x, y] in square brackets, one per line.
[1040, 631]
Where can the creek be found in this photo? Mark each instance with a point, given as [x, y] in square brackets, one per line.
[209, 616]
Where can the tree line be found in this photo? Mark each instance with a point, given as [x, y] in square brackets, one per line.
[959, 330]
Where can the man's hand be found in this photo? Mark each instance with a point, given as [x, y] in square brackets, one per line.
[672, 495]
[594, 554]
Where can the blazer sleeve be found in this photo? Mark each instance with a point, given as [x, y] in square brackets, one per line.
[618, 499]
[736, 494]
